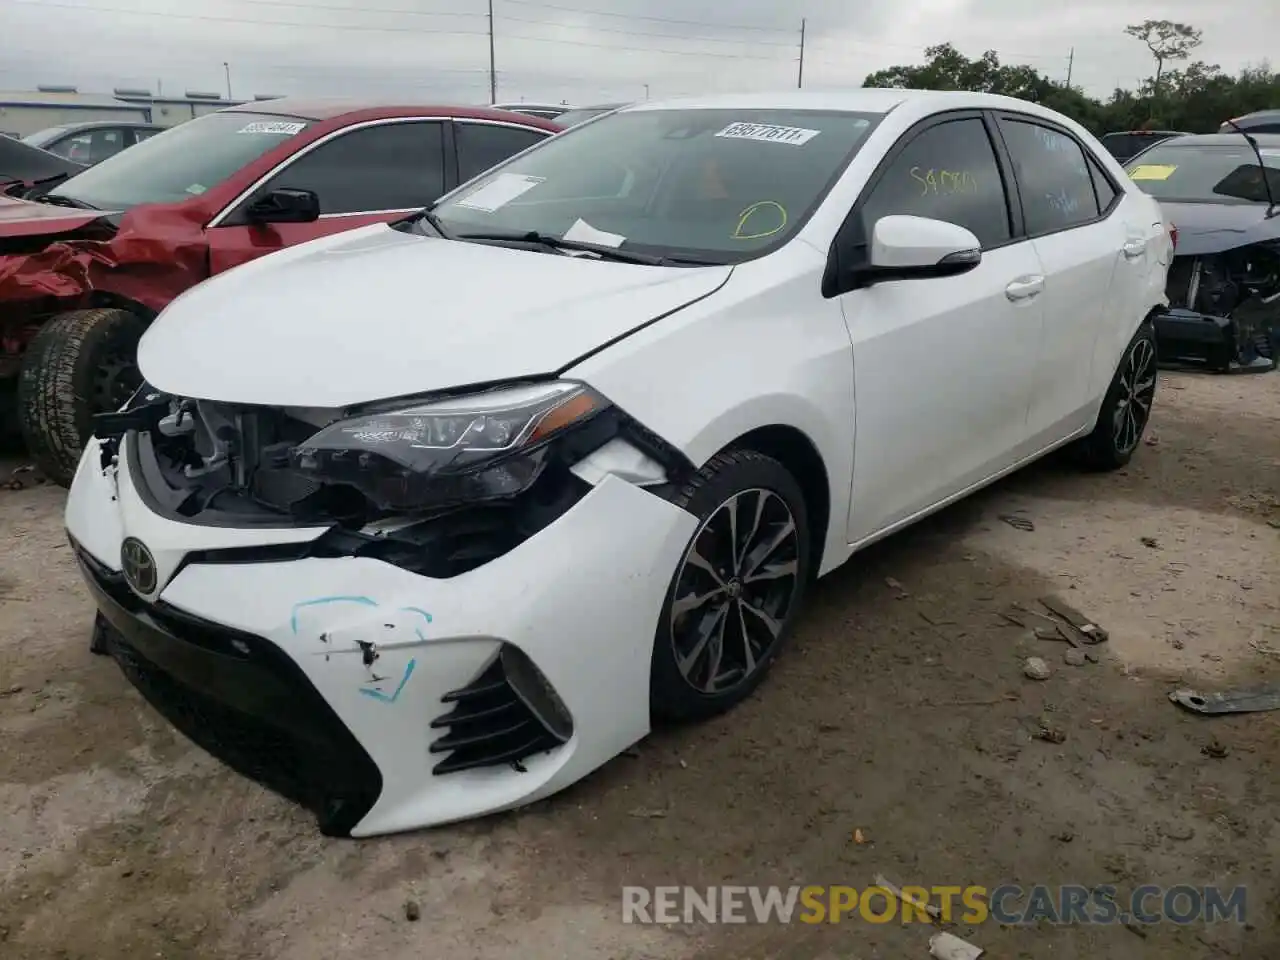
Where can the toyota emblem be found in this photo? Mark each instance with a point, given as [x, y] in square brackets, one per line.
[139, 565]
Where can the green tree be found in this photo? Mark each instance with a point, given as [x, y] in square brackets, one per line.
[1167, 40]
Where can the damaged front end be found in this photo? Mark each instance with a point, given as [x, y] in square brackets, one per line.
[437, 486]
[1224, 310]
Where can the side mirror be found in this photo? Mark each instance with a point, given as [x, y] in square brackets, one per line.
[914, 248]
[285, 205]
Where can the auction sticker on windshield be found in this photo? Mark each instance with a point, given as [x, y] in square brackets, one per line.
[768, 133]
[499, 191]
[1152, 171]
[277, 127]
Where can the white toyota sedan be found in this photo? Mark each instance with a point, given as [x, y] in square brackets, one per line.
[424, 521]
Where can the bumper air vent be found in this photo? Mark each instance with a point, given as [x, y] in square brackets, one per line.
[508, 713]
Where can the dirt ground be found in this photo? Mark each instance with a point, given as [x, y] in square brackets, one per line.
[900, 710]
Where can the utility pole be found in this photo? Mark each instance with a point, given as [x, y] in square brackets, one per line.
[226, 69]
[800, 78]
[493, 74]
[1071, 62]
[646, 91]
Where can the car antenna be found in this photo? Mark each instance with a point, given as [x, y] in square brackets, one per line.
[1262, 168]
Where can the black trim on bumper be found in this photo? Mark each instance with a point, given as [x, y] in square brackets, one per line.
[241, 698]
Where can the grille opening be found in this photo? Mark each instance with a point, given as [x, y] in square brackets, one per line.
[491, 725]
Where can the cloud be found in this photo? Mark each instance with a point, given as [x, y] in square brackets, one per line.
[581, 51]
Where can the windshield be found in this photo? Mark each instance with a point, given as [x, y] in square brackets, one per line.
[715, 185]
[182, 162]
[1206, 173]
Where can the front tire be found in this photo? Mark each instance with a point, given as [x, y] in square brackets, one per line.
[737, 590]
[79, 364]
[1126, 408]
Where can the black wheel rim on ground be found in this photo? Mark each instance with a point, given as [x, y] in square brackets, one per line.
[1137, 390]
[734, 591]
[114, 381]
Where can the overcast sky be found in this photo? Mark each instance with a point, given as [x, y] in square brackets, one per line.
[582, 51]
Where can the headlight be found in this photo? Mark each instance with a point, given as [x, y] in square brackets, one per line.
[485, 446]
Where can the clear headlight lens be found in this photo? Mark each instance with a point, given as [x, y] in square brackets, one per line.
[463, 449]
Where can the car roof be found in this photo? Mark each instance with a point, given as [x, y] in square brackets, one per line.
[97, 124]
[1259, 115]
[1221, 140]
[1147, 133]
[357, 111]
[853, 100]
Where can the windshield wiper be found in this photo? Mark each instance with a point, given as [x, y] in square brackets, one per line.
[1262, 168]
[427, 213]
[560, 243]
[62, 200]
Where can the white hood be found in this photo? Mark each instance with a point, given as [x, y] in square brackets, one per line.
[377, 313]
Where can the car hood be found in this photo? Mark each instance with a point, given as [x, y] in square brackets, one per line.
[24, 163]
[377, 313]
[23, 218]
[1217, 227]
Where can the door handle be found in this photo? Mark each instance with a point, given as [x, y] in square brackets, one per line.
[1133, 249]
[1024, 288]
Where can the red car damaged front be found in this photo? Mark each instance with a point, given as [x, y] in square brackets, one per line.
[86, 263]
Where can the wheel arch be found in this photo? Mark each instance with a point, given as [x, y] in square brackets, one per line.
[792, 448]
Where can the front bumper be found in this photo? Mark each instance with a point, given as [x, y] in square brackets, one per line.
[331, 680]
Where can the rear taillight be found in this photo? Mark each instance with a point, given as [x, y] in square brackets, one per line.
[1173, 235]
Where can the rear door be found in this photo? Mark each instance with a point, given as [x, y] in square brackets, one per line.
[365, 174]
[482, 144]
[1091, 257]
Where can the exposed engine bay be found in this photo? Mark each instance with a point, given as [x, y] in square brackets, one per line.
[1224, 310]
[204, 462]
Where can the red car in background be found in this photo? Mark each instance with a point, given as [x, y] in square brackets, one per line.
[86, 263]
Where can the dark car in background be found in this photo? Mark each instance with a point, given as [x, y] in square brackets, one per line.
[1260, 121]
[23, 167]
[94, 141]
[1224, 282]
[1126, 144]
[85, 270]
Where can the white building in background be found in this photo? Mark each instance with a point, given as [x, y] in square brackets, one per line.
[28, 111]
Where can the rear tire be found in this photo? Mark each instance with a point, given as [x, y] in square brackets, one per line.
[1126, 408]
[79, 364]
[747, 566]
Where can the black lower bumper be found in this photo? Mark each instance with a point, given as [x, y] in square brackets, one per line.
[1188, 338]
[239, 697]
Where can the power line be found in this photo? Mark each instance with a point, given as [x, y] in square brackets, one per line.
[351, 9]
[636, 16]
[657, 50]
[635, 33]
[240, 20]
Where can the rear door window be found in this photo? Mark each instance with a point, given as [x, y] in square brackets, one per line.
[1053, 176]
[485, 145]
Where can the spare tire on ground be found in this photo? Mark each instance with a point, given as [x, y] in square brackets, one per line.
[81, 363]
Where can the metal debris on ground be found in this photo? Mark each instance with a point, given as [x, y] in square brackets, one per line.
[1018, 523]
[947, 946]
[1050, 734]
[1215, 749]
[859, 836]
[645, 813]
[895, 891]
[1256, 700]
[1150, 542]
[1088, 629]
[1036, 669]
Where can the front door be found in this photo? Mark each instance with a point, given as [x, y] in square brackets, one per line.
[369, 174]
[943, 368]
